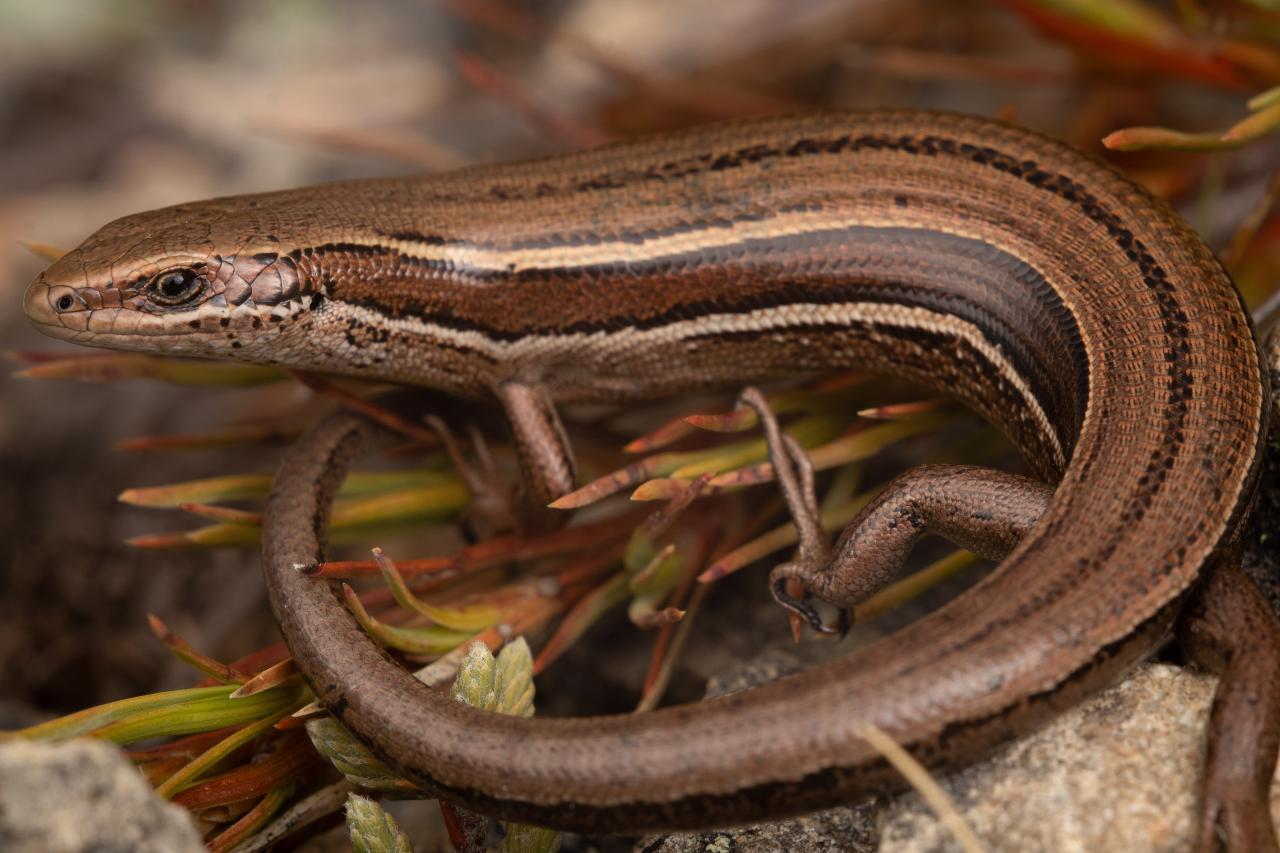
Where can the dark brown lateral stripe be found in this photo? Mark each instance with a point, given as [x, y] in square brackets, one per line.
[999, 296]
[1174, 318]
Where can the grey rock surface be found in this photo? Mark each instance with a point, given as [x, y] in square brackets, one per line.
[1118, 772]
[84, 796]
[842, 829]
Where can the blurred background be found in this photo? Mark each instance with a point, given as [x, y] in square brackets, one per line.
[108, 108]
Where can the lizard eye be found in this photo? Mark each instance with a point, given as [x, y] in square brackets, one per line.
[64, 299]
[175, 287]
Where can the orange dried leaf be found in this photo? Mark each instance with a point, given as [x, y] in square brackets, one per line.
[898, 411]
[616, 481]
[505, 549]
[291, 756]
[118, 367]
[647, 620]
[1130, 35]
[736, 420]
[284, 672]
[1139, 138]
[222, 513]
[660, 489]
[213, 536]
[252, 821]
[184, 652]
[668, 433]
[211, 490]
[44, 251]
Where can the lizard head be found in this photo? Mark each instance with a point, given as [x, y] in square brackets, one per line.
[204, 279]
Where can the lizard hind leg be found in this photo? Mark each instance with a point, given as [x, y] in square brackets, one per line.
[1228, 627]
[980, 509]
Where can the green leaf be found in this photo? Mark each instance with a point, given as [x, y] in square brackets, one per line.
[158, 714]
[212, 757]
[429, 640]
[505, 686]
[354, 760]
[513, 680]
[524, 838]
[237, 487]
[117, 367]
[372, 830]
[473, 685]
[467, 619]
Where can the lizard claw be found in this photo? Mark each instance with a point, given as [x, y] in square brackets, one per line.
[800, 607]
[844, 623]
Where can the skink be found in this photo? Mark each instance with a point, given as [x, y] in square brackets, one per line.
[1041, 287]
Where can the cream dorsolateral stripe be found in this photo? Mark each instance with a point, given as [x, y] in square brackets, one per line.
[534, 348]
[479, 259]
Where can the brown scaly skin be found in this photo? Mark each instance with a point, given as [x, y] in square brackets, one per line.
[1042, 288]
[1228, 627]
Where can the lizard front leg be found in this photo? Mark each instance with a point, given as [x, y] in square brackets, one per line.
[544, 456]
[542, 448]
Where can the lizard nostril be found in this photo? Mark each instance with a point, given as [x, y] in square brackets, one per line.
[39, 303]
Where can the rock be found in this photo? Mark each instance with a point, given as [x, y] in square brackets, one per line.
[842, 829]
[1118, 772]
[84, 796]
